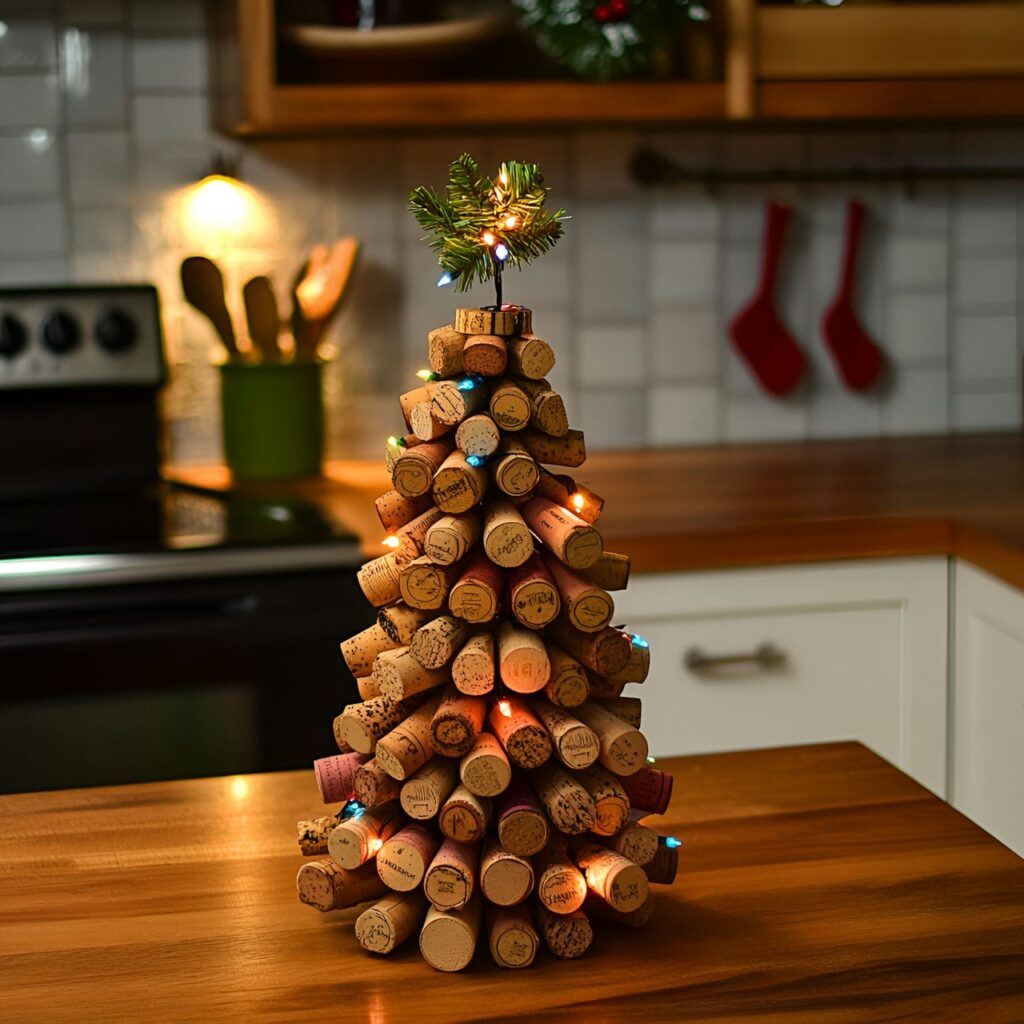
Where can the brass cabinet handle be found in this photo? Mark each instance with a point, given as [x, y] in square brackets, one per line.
[764, 656]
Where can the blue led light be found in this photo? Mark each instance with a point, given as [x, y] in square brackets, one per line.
[639, 641]
[468, 383]
[476, 461]
[501, 251]
[446, 278]
[671, 842]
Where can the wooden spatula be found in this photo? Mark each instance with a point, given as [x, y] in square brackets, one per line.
[203, 285]
[262, 316]
[320, 292]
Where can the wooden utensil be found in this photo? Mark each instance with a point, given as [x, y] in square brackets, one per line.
[203, 285]
[858, 359]
[262, 316]
[758, 334]
[319, 293]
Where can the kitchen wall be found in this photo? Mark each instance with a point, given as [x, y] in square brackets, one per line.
[103, 119]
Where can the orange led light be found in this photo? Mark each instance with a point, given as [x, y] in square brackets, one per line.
[374, 846]
[424, 374]
[391, 541]
[578, 502]
[511, 220]
[505, 708]
[488, 238]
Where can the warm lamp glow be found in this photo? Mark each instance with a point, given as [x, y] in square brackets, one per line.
[240, 787]
[391, 541]
[218, 212]
[505, 708]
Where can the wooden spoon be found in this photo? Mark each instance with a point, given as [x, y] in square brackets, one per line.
[262, 316]
[203, 285]
[319, 293]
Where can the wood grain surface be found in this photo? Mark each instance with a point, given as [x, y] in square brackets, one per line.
[817, 884]
[707, 508]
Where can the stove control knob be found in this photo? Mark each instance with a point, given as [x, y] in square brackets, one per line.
[116, 331]
[61, 332]
[13, 336]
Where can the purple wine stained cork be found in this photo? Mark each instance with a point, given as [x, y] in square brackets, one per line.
[649, 789]
[336, 776]
[522, 824]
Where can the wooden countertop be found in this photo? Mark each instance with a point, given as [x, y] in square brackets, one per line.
[706, 508]
[817, 884]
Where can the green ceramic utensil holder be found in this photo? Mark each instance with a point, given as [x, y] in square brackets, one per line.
[272, 418]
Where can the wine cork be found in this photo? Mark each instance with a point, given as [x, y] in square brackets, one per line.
[576, 745]
[598, 910]
[629, 709]
[533, 597]
[569, 806]
[635, 842]
[313, 834]
[649, 789]
[458, 486]
[473, 667]
[367, 687]
[505, 879]
[449, 879]
[609, 798]
[511, 937]
[402, 861]
[522, 659]
[448, 938]
[362, 725]
[390, 921]
[395, 446]
[476, 594]
[485, 354]
[639, 664]
[424, 585]
[603, 687]
[344, 747]
[547, 410]
[400, 622]
[478, 435]
[567, 936]
[623, 748]
[424, 792]
[457, 723]
[587, 607]
[485, 770]
[561, 887]
[619, 882]
[507, 539]
[444, 351]
[359, 651]
[520, 732]
[425, 426]
[451, 537]
[335, 776]
[531, 358]
[373, 785]
[514, 469]
[603, 652]
[510, 405]
[568, 450]
[505, 322]
[413, 475]
[565, 491]
[395, 510]
[436, 642]
[521, 823]
[663, 867]
[568, 686]
[575, 542]
[407, 747]
[324, 885]
[379, 580]
[455, 400]
[410, 399]
[412, 536]
[464, 816]
[399, 675]
[609, 572]
[357, 839]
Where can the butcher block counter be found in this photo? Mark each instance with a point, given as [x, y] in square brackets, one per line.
[707, 508]
[817, 884]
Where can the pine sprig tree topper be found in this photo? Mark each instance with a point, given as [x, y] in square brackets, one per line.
[484, 224]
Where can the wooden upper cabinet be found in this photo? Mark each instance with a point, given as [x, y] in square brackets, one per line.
[772, 61]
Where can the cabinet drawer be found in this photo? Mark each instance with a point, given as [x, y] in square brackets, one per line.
[864, 648]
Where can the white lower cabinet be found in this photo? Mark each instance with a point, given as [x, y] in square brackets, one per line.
[857, 650]
[987, 778]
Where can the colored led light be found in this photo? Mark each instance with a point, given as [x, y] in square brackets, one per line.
[639, 641]
[446, 278]
[476, 461]
[671, 842]
[501, 251]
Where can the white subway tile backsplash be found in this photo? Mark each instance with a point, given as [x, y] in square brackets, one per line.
[612, 261]
[32, 228]
[686, 345]
[602, 164]
[838, 414]
[985, 348]
[173, 119]
[100, 167]
[759, 418]
[917, 327]
[684, 274]
[27, 44]
[612, 354]
[29, 101]
[986, 412]
[93, 12]
[687, 213]
[981, 214]
[29, 164]
[94, 69]
[917, 263]
[979, 281]
[614, 418]
[168, 15]
[681, 415]
[169, 64]
[916, 402]
[100, 230]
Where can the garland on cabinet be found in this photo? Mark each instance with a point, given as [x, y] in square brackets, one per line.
[493, 778]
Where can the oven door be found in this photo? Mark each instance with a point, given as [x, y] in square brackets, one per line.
[171, 679]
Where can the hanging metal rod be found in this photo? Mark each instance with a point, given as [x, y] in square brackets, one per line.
[649, 168]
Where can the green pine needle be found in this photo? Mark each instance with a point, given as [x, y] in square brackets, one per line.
[475, 204]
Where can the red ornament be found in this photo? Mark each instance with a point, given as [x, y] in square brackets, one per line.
[602, 13]
[619, 9]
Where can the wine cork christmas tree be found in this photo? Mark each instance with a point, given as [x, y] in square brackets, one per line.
[493, 781]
